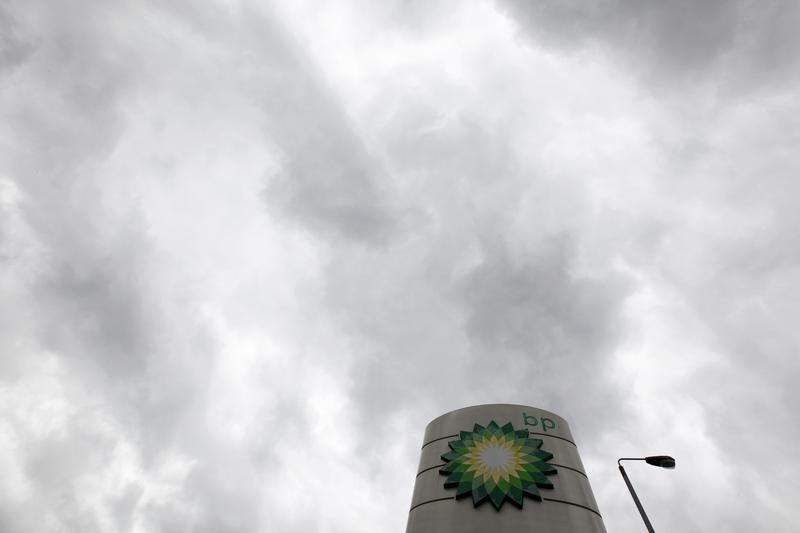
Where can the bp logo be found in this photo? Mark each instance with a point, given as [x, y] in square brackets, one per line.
[497, 463]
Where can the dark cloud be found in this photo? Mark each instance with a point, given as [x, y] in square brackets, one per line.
[329, 181]
[533, 313]
[536, 303]
[124, 507]
[476, 306]
[217, 498]
[103, 304]
[677, 43]
[87, 274]
[14, 45]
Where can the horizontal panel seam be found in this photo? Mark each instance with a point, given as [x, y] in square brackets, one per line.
[429, 468]
[531, 432]
[570, 468]
[554, 500]
[572, 503]
[432, 501]
[554, 464]
[440, 438]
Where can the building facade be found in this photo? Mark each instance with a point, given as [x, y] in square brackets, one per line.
[501, 468]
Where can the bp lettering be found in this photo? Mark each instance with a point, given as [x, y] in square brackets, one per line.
[544, 424]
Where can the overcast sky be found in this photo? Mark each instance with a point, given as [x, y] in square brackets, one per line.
[249, 250]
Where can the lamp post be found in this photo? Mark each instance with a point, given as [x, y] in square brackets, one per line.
[664, 461]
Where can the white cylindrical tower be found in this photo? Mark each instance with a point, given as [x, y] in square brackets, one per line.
[501, 468]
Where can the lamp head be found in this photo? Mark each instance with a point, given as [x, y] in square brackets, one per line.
[664, 461]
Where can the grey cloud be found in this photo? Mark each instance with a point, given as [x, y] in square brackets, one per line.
[329, 182]
[535, 315]
[742, 43]
[59, 467]
[536, 304]
[66, 112]
[752, 391]
[331, 194]
[94, 290]
[124, 508]
[451, 266]
[90, 288]
[512, 326]
[14, 47]
[217, 499]
[66, 116]
[735, 269]
[66, 93]
[102, 304]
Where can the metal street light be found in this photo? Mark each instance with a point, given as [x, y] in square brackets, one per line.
[664, 461]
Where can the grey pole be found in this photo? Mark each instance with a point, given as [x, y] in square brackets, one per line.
[663, 461]
[635, 497]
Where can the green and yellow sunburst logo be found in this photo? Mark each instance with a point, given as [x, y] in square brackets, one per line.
[497, 463]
